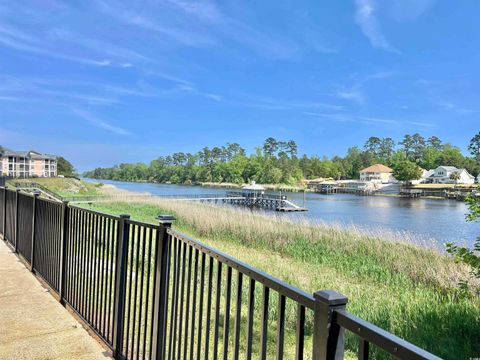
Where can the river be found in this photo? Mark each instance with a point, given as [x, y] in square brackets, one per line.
[424, 221]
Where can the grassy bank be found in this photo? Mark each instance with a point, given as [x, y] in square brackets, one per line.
[67, 186]
[405, 289]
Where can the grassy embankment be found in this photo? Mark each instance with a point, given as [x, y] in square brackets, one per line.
[67, 186]
[408, 290]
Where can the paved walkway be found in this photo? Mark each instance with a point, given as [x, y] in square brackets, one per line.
[33, 325]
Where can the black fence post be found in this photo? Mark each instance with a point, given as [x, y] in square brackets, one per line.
[16, 220]
[163, 246]
[120, 284]
[34, 212]
[328, 336]
[63, 250]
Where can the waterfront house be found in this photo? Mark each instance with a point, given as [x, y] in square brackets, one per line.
[425, 178]
[377, 173]
[443, 175]
[26, 164]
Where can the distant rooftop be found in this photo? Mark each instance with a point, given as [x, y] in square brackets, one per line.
[27, 154]
[377, 168]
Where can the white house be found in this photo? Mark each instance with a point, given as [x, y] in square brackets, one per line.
[478, 178]
[442, 175]
[426, 175]
[377, 173]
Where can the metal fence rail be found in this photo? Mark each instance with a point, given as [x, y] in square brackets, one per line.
[90, 272]
[10, 216]
[48, 241]
[2, 209]
[151, 292]
[25, 225]
[226, 303]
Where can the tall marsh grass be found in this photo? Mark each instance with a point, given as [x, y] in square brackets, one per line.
[402, 287]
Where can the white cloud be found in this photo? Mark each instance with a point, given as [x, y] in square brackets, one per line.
[20, 41]
[357, 96]
[101, 123]
[365, 17]
[367, 120]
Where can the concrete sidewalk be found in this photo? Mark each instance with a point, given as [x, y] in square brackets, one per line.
[33, 325]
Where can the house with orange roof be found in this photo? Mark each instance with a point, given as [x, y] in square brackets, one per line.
[377, 173]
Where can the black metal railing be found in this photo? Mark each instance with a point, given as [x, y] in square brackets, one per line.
[25, 225]
[151, 292]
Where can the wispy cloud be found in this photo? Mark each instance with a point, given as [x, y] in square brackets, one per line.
[124, 56]
[23, 42]
[366, 120]
[357, 96]
[102, 124]
[130, 16]
[457, 109]
[365, 17]
[270, 103]
[200, 24]
[356, 91]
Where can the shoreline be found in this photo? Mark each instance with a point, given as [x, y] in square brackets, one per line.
[274, 188]
[383, 233]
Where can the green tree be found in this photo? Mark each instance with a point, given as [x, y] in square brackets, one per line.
[455, 176]
[474, 147]
[373, 146]
[387, 148]
[406, 170]
[64, 167]
[466, 255]
[414, 146]
[451, 156]
[435, 142]
[270, 146]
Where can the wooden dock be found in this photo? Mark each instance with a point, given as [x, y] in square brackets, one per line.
[241, 198]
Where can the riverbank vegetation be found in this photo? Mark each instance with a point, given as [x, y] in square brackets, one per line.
[65, 186]
[403, 288]
[277, 162]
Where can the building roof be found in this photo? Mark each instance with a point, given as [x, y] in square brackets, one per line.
[450, 168]
[428, 173]
[378, 168]
[26, 154]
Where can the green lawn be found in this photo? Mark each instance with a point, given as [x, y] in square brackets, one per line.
[66, 186]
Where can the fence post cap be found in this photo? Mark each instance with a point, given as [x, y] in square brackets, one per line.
[166, 219]
[125, 216]
[330, 297]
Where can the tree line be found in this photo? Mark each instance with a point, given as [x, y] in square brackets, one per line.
[277, 162]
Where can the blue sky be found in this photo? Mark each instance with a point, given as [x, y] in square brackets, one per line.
[103, 82]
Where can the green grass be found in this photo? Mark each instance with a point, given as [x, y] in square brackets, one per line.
[66, 186]
[405, 289]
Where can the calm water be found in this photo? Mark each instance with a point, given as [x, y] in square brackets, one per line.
[421, 220]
